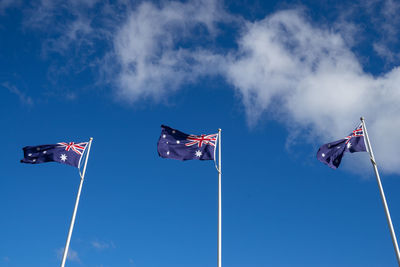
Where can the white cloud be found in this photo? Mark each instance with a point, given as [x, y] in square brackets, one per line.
[150, 51]
[308, 78]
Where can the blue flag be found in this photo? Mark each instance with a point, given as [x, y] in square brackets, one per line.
[66, 153]
[331, 154]
[174, 144]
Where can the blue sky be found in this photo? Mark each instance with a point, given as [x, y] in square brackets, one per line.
[279, 79]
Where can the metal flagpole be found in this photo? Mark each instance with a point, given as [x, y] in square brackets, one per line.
[219, 203]
[71, 227]
[378, 179]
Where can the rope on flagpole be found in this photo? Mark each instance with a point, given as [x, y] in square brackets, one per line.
[215, 151]
[87, 148]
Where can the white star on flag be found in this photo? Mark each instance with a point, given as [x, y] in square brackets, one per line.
[63, 157]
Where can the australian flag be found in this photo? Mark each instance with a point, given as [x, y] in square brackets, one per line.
[174, 144]
[66, 153]
[331, 154]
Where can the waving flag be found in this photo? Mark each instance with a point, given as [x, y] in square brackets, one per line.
[332, 153]
[66, 153]
[174, 144]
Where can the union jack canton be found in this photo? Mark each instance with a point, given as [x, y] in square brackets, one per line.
[331, 154]
[174, 144]
[66, 153]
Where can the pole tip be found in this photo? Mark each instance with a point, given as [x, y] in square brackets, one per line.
[219, 129]
[91, 138]
[361, 118]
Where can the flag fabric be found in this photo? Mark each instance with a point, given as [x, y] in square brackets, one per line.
[66, 153]
[174, 144]
[331, 154]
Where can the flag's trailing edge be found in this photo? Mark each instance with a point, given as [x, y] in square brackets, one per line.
[67, 153]
[174, 144]
[331, 154]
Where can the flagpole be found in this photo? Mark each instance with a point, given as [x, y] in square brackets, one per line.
[219, 202]
[71, 227]
[385, 205]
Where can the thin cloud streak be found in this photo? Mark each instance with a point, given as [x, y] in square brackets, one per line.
[27, 100]
[101, 245]
[5, 4]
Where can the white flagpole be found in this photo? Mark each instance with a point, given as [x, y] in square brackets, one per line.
[71, 227]
[219, 203]
[378, 179]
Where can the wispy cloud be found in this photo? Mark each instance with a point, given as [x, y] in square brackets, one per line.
[102, 245]
[76, 37]
[387, 45]
[4, 4]
[72, 255]
[75, 34]
[25, 99]
[383, 21]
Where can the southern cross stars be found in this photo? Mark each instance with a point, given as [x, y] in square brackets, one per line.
[174, 144]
